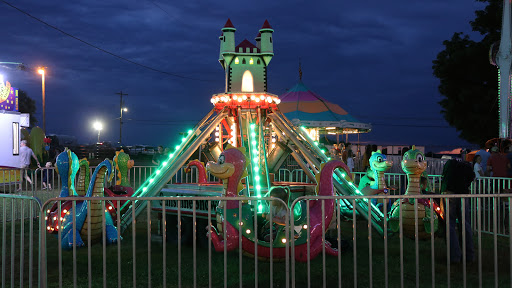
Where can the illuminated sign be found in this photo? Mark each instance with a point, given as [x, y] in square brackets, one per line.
[8, 97]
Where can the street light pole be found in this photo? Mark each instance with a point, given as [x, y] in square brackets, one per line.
[98, 126]
[121, 108]
[121, 124]
[42, 72]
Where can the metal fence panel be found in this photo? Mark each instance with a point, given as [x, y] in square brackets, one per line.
[180, 235]
[19, 262]
[401, 260]
[175, 242]
[163, 248]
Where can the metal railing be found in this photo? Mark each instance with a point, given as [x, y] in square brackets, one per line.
[397, 259]
[139, 174]
[44, 178]
[20, 241]
[173, 249]
[434, 165]
[155, 242]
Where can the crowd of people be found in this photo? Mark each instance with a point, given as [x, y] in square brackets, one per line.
[493, 163]
[343, 151]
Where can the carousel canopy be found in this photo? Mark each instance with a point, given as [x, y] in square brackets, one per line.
[305, 108]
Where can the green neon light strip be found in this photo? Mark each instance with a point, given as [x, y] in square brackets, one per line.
[264, 151]
[255, 163]
[325, 158]
[172, 156]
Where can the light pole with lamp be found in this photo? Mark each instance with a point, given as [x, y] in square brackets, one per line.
[42, 71]
[98, 126]
[123, 109]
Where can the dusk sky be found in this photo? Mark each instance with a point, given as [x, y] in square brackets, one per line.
[373, 58]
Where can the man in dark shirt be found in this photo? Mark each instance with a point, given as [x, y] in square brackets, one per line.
[457, 178]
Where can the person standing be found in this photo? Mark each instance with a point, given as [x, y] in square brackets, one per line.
[25, 154]
[367, 155]
[338, 151]
[344, 156]
[333, 151]
[498, 163]
[47, 176]
[477, 166]
[485, 156]
[457, 178]
[350, 160]
[509, 157]
[157, 157]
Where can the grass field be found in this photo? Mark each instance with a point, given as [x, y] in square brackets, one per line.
[154, 258]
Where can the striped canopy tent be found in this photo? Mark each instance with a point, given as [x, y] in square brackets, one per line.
[305, 108]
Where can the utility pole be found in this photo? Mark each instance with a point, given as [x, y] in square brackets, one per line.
[121, 109]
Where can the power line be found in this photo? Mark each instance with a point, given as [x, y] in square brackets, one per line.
[417, 126]
[164, 124]
[161, 9]
[103, 50]
[401, 118]
[164, 121]
[176, 122]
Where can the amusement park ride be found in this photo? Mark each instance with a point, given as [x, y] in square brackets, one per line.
[249, 139]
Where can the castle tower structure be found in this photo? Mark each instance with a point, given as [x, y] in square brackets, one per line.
[267, 47]
[258, 41]
[227, 42]
[246, 65]
[221, 59]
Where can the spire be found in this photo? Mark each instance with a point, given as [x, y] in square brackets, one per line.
[229, 24]
[266, 25]
[300, 71]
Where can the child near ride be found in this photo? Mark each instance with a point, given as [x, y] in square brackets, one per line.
[279, 211]
[47, 174]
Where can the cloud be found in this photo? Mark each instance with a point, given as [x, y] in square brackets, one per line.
[370, 57]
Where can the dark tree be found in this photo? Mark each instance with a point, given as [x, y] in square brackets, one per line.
[27, 105]
[468, 82]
